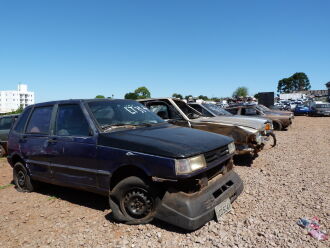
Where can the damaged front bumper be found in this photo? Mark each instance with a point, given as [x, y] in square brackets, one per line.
[192, 210]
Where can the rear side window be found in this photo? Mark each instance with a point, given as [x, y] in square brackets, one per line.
[40, 120]
[71, 121]
[22, 120]
[232, 111]
[5, 123]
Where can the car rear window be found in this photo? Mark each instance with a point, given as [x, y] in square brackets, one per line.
[40, 120]
[22, 120]
[6, 122]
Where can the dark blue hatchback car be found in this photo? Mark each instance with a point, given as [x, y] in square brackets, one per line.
[147, 167]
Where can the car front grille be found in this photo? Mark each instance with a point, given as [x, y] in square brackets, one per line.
[215, 155]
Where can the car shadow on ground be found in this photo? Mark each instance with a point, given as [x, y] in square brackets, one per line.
[244, 160]
[94, 201]
[74, 196]
[157, 223]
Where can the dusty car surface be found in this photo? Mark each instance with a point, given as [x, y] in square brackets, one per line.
[282, 112]
[6, 122]
[281, 119]
[118, 148]
[320, 109]
[213, 110]
[248, 135]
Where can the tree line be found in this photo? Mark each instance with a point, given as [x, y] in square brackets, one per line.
[299, 81]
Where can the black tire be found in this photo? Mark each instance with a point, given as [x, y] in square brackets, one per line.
[277, 126]
[2, 151]
[274, 139]
[22, 180]
[134, 201]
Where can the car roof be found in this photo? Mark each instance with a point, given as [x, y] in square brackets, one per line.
[158, 99]
[76, 101]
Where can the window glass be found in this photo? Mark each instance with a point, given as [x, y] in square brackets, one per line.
[40, 120]
[161, 110]
[216, 109]
[71, 121]
[250, 111]
[189, 111]
[5, 123]
[122, 113]
[22, 120]
[233, 111]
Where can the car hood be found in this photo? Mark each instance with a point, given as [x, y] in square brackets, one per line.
[279, 112]
[235, 120]
[165, 140]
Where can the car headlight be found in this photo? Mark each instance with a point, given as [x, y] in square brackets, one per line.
[188, 165]
[268, 126]
[231, 148]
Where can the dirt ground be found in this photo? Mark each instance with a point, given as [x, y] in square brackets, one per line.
[283, 184]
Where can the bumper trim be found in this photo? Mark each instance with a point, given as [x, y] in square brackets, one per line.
[191, 211]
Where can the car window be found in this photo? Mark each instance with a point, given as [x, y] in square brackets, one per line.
[22, 120]
[200, 109]
[40, 120]
[249, 111]
[189, 111]
[122, 112]
[161, 110]
[71, 121]
[232, 110]
[216, 109]
[6, 122]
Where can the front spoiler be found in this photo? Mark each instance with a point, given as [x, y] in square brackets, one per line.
[191, 211]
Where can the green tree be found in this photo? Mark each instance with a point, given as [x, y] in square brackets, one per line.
[205, 98]
[187, 97]
[142, 93]
[100, 96]
[216, 99]
[177, 95]
[297, 82]
[240, 91]
[131, 95]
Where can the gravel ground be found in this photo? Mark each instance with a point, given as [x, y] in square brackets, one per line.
[282, 184]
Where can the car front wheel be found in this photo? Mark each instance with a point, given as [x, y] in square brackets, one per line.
[134, 201]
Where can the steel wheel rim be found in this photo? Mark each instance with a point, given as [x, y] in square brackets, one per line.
[138, 203]
[21, 178]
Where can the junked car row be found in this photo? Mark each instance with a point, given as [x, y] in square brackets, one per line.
[159, 158]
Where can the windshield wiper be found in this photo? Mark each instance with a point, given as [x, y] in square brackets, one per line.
[114, 126]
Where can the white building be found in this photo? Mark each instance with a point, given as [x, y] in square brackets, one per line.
[11, 100]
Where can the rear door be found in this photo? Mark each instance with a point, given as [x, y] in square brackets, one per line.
[34, 143]
[74, 160]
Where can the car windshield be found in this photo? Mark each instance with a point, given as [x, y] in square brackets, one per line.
[111, 114]
[263, 108]
[326, 105]
[189, 111]
[216, 109]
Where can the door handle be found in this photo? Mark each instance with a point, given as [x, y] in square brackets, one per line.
[52, 140]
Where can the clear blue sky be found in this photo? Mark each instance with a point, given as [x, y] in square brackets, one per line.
[78, 49]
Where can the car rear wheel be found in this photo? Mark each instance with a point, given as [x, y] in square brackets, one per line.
[22, 178]
[134, 201]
